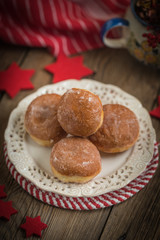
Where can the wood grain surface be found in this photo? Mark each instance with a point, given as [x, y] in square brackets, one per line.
[138, 218]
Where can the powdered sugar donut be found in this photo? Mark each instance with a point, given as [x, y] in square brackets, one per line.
[80, 112]
[41, 120]
[75, 159]
[119, 131]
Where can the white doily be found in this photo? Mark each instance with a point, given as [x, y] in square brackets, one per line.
[32, 160]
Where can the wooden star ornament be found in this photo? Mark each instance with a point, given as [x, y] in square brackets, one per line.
[2, 193]
[156, 112]
[14, 79]
[6, 209]
[33, 226]
[68, 68]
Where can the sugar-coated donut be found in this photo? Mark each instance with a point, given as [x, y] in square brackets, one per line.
[41, 120]
[80, 112]
[119, 131]
[75, 159]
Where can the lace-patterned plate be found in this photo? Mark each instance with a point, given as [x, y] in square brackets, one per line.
[32, 160]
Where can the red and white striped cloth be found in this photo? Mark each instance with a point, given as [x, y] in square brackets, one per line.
[87, 203]
[69, 26]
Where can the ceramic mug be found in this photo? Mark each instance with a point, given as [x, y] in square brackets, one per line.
[132, 30]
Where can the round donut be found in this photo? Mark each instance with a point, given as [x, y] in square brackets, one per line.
[41, 120]
[80, 112]
[119, 131]
[75, 160]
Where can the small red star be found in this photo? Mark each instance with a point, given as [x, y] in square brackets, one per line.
[14, 79]
[6, 209]
[33, 226]
[156, 112]
[68, 68]
[2, 193]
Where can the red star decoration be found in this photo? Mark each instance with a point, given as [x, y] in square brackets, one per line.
[33, 226]
[6, 209]
[2, 193]
[14, 79]
[68, 68]
[156, 112]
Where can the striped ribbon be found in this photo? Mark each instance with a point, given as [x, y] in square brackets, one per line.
[87, 203]
[60, 25]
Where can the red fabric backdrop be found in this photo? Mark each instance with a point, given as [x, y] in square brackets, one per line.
[69, 26]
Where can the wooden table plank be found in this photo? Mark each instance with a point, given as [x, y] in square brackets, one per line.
[76, 224]
[138, 217]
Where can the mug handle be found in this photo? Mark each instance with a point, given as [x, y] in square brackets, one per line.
[113, 23]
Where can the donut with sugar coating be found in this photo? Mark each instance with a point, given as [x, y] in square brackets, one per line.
[80, 112]
[75, 160]
[119, 131]
[41, 120]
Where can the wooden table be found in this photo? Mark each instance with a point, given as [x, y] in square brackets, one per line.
[136, 218]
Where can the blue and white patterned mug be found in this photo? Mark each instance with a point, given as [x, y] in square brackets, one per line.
[132, 30]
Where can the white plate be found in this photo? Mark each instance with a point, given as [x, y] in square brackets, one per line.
[32, 160]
